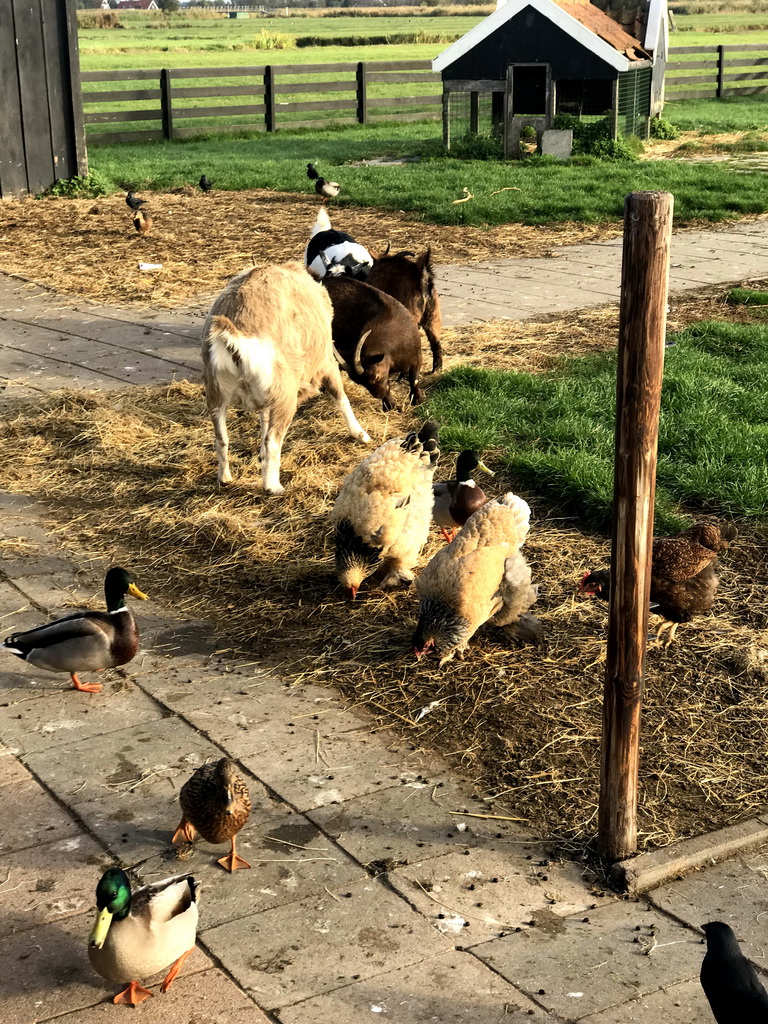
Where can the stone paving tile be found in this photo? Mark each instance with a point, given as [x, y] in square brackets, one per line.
[491, 891]
[575, 967]
[279, 874]
[68, 716]
[123, 765]
[323, 943]
[677, 1004]
[412, 821]
[46, 971]
[206, 997]
[31, 816]
[50, 881]
[734, 891]
[452, 988]
[307, 762]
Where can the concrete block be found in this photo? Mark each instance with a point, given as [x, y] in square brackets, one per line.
[733, 891]
[478, 897]
[576, 967]
[66, 716]
[452, 988]
[205, 996]
[298, 862]
[130, 760]
[648, 870]
[412, 821]
[677, 1004]
[323, 943]
[309, 755]
[557, 142]
[31, 817]
[50, 881]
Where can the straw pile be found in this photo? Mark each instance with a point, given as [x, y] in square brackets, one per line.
[131, 475]
[88, 247]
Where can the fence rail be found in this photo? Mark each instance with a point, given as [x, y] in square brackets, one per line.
[267, 96]
[721, 68]
[270, 97]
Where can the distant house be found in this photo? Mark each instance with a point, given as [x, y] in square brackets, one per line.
[136, 5]
[533, 59]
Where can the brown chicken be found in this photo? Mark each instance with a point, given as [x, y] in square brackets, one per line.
[142, 222]
[216, 803]
[480, 576]
[683, 576]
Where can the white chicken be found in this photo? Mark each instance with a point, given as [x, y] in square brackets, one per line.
[384, 509]
[481, 576]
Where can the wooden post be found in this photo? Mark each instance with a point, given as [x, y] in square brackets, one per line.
[642, 325]
[166, 103]
[720, 70]
[615, 109]
[361, 93]
[269, 98]
[446, 118]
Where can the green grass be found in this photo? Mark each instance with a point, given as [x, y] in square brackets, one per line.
[557, 430]
[745, 113]
[585, 190]
[746, 297]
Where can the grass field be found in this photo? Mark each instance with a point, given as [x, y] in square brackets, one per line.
[585, 190]
[557, 429]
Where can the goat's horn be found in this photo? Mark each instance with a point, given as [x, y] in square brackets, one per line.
[356, 360]
[340, 359]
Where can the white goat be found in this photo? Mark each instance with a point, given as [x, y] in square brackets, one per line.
[267, 346]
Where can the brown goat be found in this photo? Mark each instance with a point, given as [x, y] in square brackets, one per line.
[374, 336]
[267, 345]
[411, 280]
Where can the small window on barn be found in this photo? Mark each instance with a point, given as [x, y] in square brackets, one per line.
[529, 89]
[583, 97]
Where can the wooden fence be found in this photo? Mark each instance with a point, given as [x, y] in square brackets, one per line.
[716, 71]
[267, 97]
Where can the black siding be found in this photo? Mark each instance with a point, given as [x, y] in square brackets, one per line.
[529, 38]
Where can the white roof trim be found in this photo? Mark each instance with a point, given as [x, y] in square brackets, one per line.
[550, 10]
[657, 19]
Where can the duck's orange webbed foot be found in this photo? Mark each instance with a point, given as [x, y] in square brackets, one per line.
[231, 862]
[448, 535]
[175, 968]
[186, 831]
[133, 995]
[86, 688]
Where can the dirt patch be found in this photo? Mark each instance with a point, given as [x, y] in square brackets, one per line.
[132, 476]
[694, 146]
[88, 247]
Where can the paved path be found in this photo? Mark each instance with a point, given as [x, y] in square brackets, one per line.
[368, 893]
[48, 341]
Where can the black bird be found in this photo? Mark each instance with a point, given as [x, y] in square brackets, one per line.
[730, 981]
[326, 189]
[133, 201]
[205, 185]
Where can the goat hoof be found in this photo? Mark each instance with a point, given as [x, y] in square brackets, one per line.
[277, 489]
[363, 438]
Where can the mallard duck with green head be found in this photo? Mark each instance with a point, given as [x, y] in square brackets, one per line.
[456, 500]
[216, 803]
[137, 934]
[85, 641]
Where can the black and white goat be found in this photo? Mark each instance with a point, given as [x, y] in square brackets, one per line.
[335, 253]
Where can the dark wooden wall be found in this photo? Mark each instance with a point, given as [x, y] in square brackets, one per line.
[529, 38]
[41, 111]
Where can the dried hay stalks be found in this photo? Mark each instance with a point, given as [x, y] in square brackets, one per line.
[89, 247]
[131, 475]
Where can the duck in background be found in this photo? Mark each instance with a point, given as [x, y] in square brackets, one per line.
[456, 500]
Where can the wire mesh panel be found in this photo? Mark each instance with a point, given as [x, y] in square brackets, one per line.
[475, 113]
[582, 97]
[634, 103]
